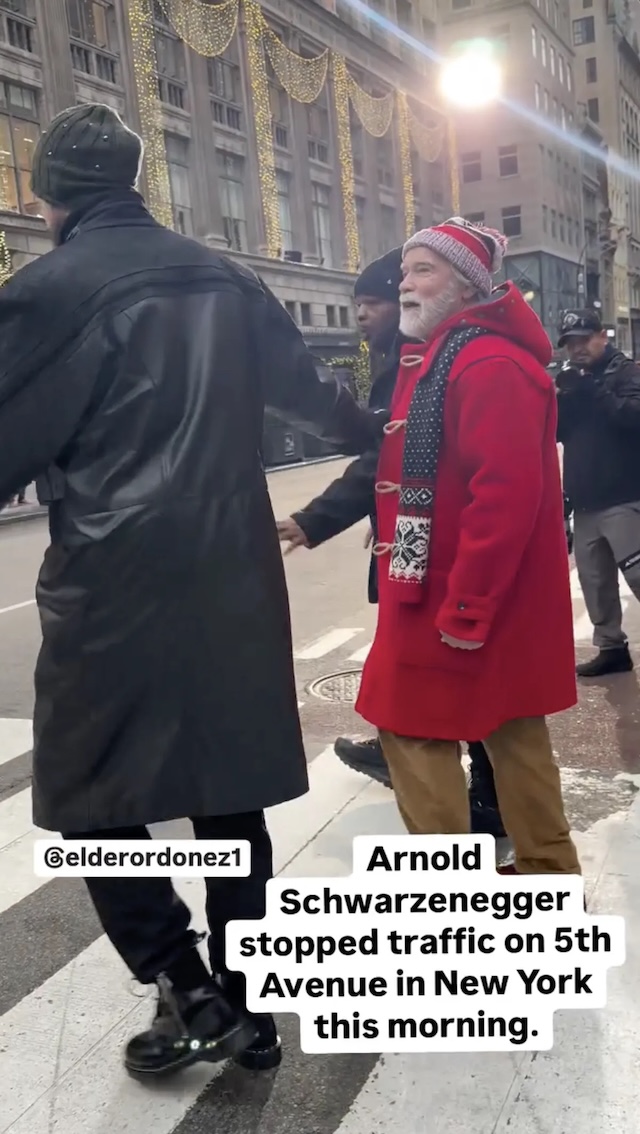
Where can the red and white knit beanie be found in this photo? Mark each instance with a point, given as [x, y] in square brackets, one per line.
[477, 252]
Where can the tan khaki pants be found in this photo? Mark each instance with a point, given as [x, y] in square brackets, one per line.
[431, 792]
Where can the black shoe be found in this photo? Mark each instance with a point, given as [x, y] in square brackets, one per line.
[264, 1053]
[364, 756]
[189, 1027]
[485, 820]
[607, 661]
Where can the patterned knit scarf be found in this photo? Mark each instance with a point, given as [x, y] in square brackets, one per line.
[423, 438]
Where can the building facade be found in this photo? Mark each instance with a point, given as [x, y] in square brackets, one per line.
[55, 53]
[518, 170]
[608, 84]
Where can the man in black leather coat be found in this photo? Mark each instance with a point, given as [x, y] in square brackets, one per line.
[350, 499]
[135, 369]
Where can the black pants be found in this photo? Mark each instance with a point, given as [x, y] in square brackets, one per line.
[148, 923]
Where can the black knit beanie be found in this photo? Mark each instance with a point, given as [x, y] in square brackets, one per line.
[381, 279]
[86, 152]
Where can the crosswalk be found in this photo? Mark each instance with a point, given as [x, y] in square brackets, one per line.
[67, 1004]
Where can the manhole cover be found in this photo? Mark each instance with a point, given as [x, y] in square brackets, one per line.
[338, 686]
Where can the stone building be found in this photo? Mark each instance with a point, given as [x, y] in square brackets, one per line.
[54, 53]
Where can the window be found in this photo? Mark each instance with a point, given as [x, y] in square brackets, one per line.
[230, 178]
[179, 181]
[512, 220]
[593, 109]
[331, 315]
[385, 162]
[284, 210]
[591, 65]
[318, 129]
[587, 3]
[543, 51]
[547, 102]
[172, 75]
[471, 167]
[290, 308]
[552, 60]
[475, 218]
[508, 161]
[344, 316]
[561, 69]
[457, 5]
[538, 96]
[321, 208]
[357, 143]
[545, 218]
[554, 231]
[18, 32]
[19, 133]
[226, 90]
[563, 118]
[561, 227]
[305, 315]
[555, 110]
[569, 78]
[584, 31]
[534, 43]
[93, 22]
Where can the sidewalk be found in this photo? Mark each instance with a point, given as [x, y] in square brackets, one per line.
[27, 511]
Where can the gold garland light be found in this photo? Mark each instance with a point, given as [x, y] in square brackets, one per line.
[146, 75]
[375, 114]
[206, 28]
[302, 79]
[360, 366]
[405, 163]
[345, 157]
[6, 270]
[427, 139]
[264, 137]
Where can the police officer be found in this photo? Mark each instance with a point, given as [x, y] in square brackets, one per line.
[599, 427]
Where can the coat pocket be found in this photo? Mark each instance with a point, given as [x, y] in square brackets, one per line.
[418, 642]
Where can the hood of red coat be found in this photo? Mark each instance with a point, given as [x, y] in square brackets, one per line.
[507, 314]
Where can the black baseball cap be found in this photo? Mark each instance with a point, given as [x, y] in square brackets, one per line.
[583, 322]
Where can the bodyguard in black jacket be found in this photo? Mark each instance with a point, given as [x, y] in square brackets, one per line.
[351, 498]
[599, 427]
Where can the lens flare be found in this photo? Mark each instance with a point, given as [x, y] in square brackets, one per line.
[473, 79]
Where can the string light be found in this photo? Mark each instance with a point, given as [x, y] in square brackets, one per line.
[453, 167]
[427, 139]
[303, 79]
[206, 28]
[140, 17]
[6, 270]
[375, 114]
[264, 137]
[345, 157]
[405, 163]
[360, 366]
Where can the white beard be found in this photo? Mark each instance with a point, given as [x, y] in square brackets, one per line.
[420, 322]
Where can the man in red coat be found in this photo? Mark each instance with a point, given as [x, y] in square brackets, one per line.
[472, 557]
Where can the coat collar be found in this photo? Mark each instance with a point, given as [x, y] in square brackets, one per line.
[117, 210]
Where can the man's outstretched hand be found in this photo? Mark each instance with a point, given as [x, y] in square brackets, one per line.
[291, 533]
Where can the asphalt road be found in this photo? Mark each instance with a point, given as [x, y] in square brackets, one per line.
[48, 932]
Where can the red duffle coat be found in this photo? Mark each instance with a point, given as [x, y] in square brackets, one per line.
[498, 570]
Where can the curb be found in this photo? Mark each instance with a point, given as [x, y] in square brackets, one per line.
[307, 464]
[14, 516]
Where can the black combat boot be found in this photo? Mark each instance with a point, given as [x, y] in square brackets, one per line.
[265, 1050]
[193, 1026]
[617, 660]
[364, 756]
